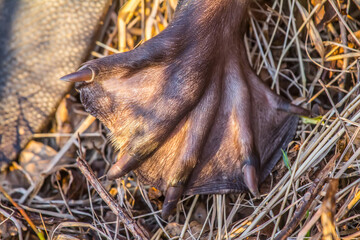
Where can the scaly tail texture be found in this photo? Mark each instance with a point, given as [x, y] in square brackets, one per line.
[40, 40]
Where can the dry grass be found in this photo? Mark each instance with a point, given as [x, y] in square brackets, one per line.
[319, 69]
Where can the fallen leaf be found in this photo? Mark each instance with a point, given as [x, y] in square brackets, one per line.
[35, 158]
[324, 15]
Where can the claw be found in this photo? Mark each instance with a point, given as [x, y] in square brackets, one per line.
[123, 165]
[172, 197]
[291, 108]
[83, 75]
[298, 110]
[251, 179]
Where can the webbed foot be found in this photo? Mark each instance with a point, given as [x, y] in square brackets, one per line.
[185, 109]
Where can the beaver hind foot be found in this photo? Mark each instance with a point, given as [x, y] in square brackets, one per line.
[185, 110]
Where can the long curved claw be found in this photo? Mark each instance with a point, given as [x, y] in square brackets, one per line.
[123, 166]
[293, 109]
[172, 197]
[251, 179]
[298, 110]
[83, 75]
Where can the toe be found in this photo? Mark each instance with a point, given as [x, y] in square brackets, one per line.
[251, 179]
[172, 197]
[83, 75]
[123, 166]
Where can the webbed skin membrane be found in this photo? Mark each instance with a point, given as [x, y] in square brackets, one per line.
[185, 110]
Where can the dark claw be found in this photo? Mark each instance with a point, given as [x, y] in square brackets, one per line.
[251, 179]
[299, 110]
[83, 75]
[293, 109]
[173, 194]
[123, 166]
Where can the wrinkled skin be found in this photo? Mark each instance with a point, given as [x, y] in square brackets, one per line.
[185, 110]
